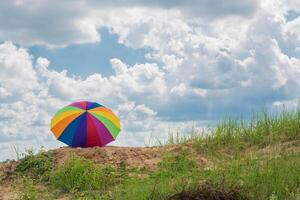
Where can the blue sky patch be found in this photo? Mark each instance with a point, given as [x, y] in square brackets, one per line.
[86, 59]
[291, 15]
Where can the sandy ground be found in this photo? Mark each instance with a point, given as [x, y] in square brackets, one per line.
[6, 192]
[139, 157]
[133, 157]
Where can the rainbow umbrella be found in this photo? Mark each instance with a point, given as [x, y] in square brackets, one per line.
[85, 124]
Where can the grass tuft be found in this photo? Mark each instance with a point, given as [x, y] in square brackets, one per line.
[262, 130]
[37, 167]
[79, 174]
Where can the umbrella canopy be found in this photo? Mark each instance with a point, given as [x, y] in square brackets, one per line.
[85, 124]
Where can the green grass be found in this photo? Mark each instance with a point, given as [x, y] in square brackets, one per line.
[276, 178]
[79, 174]
[262, 179]
[257, 158]
[36, 166]
[170, 176]
[27, 189]
[238, 135]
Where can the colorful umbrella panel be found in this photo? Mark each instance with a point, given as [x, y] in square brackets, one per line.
[85, 124]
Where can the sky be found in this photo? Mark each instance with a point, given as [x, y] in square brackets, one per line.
[159, 65]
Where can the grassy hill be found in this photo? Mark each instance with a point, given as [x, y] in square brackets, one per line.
[257, 159]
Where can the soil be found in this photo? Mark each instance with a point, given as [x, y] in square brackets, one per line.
[132, 157]
[138, 157]
[6, 192]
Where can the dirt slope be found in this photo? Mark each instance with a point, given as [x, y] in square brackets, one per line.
[133, 157]
[139, 157]
[147, 157]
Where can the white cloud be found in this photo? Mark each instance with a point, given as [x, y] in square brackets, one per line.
[51, 23]
[16, 75]
[118, 66]
[59, 23]
[292, 5]
[288, 104]
[144, 111]
[179, 90]
[294, 27]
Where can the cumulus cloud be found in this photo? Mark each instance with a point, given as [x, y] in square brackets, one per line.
[14, 71]
[51, 23]
[60, 23]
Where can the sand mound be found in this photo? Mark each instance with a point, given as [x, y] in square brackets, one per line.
[139, 157]
[132, 157]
